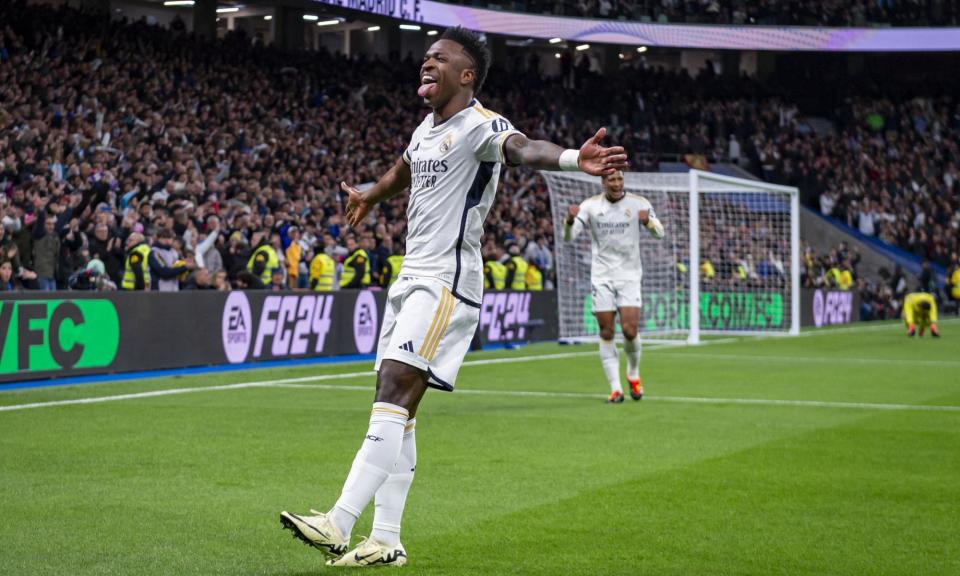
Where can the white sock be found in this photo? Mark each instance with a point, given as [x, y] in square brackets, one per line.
[610, 360]
[632, 350]
[373, 464]
[392, 495]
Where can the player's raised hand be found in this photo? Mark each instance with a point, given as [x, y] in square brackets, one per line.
[572, 212]
[357, 206]
[597, 160]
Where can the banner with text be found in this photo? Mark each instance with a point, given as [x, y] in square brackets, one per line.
[828, 307]
[66, 334]
[740, 311]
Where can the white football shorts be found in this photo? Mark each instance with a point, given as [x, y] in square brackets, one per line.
[427, 327]
[610, 295]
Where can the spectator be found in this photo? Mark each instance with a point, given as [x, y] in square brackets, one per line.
[263, 261]
[166, 267]
[953, 281]
[46, 249]
[293, 256]
[356, 267]
[6, 276]
[136, 274]
[220, 281]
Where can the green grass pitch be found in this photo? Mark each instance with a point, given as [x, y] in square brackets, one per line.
[833, 453]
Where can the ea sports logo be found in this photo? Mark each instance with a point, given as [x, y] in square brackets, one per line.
[818, 308]
[236, 327]
[365, 322]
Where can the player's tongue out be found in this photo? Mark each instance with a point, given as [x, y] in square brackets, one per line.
[428, 87]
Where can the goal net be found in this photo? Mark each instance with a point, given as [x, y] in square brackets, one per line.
[728, 264]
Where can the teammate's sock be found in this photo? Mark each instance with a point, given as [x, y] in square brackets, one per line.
[373, 464]
[610, 360]
[392, 495]
[631, 348]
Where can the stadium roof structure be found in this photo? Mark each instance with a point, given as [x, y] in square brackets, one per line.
[620, 32]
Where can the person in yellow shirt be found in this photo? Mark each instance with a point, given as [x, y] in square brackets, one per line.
[323, 270]
[390, 271]
[263, 261]
[516, 266]
[844, 277]
[534, 277]
[494, 272]
[833, 276]
[920, 309]
[707, 271]
[294, 253]
[953, 281]
[356, 266]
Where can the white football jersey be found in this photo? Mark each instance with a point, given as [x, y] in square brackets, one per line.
[614, 235]
[454, 171]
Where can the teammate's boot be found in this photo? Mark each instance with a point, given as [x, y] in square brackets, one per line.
[318, 531]
[934, 331]
[615, 397]
[636, 389]
[369, 552]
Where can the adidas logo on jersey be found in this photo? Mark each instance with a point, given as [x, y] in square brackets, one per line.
[408, 346]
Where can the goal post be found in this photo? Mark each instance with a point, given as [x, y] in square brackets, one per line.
[728, 264]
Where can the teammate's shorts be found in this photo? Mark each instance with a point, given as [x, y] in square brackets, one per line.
[610, 295]
[427, 327]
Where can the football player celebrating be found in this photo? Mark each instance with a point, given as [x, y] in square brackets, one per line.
[614, 219]
[452, 166]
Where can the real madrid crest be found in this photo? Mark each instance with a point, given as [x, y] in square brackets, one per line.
[627, 212]
[446, 144]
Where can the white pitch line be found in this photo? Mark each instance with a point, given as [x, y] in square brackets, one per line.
[820, 359]
[483, 362]
[678, 399]
[264, 383]
[299, 383]
[865, 327]
[807, 403]
[172, 391]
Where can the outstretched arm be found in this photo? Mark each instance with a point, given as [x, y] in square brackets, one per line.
[359, 204]
[592, 158]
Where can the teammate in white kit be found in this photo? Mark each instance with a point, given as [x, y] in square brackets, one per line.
[452, 167]
[614, 220]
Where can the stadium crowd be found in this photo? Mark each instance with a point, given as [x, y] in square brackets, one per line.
[764, 12]
[217, 166]
[889, 171]
[221, 162]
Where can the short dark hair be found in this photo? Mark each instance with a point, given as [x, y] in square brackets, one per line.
[924, 305]
[476, 48]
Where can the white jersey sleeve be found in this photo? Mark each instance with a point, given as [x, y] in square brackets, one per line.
[414, 142]
[489, 136]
